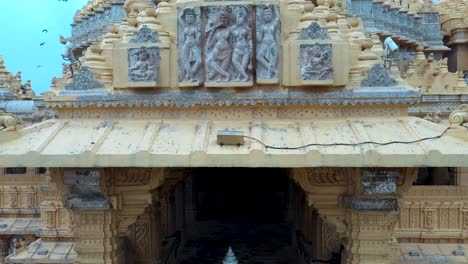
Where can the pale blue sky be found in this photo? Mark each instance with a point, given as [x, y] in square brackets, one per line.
[21, 25]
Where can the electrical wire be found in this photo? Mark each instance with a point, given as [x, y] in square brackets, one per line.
[350, 144]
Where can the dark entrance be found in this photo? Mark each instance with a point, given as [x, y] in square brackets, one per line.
[244, 208]
[241, 193]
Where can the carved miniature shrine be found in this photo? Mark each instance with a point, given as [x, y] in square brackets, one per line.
[278, 131]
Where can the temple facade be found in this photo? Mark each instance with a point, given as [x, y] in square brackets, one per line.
[253, 131]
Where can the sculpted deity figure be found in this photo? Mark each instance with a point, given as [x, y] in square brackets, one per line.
[190, 55]
[267, 42]
[242, 42]
[142, 69]
[218, 47]
[316, 63]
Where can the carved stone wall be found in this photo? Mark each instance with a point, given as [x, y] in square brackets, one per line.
[433, 213]
[96, 240]
[19, 198]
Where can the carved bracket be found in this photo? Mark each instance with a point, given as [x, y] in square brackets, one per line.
[459, 116]
[8, 122]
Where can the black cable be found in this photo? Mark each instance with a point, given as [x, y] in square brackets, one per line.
[351, 144]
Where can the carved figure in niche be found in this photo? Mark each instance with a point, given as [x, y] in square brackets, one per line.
[143, 64]
[242, 42]
[218, 46]
[316, 62]
[190, 57]
[267, 42]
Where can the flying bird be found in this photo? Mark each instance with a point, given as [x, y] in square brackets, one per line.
[45, 31]
[38, 66]
[42, 44]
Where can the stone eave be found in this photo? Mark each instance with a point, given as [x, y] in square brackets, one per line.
[253, 97]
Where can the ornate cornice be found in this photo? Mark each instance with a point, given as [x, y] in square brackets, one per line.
[267, 96]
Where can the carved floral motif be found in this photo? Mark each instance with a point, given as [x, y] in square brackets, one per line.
[325, 177]
[131, 177]
[84, 80]
[314, 31]
[143, 64]
[145, 35]
[378, 76]
[316, 62]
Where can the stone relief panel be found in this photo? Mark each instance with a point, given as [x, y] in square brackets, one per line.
[268, 40]
[145, 35]
[189, 44]
[143, 64]
[314, 31]
[228, 46]
[316, 61]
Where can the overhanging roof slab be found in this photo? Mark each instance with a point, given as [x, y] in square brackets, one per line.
[192, 143]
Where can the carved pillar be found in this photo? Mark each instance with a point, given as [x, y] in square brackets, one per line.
[371, 214]
[369, 238]
[356, 209]
[4, 246]
[96, 240]
[56, 218]
[323, 187]
[144, 238]
[94, 220]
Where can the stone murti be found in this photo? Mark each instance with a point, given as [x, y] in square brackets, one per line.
[268, 38]
[143, 64]
[228, 46]
[189, 44]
